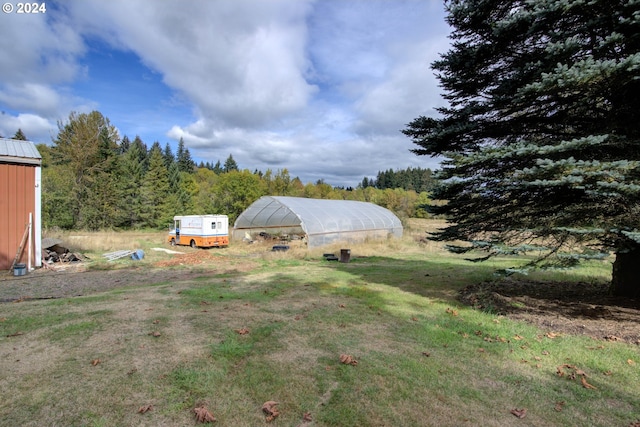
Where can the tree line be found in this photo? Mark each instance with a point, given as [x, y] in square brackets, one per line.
[92, 179]
[416, 179]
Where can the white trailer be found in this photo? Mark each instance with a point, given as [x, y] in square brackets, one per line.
[202, 231]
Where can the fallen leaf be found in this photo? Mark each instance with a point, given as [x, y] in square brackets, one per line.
[203, 415]
[269, 408]
[307, 417]
[155, 322]
[585, 384]
[559, 406]
[426, 353]
[517, 337]
[545, 353]
[631, 362]
[242, 331]
[608, 373]
[415, 319]
[520, 413]
[452, 312]
[342, 306]
[95, 362]
[600, 347]
[144, 409]
[16, 334]
[155, 334]
[551, 335]
[347, 359]
[481, 350]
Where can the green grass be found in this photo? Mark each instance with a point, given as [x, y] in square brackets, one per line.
[423, 359]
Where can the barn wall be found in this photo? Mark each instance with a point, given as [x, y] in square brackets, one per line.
[17, 200]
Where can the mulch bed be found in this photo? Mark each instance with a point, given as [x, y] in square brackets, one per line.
[571, 308]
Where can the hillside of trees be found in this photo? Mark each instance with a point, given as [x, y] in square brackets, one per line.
[93, 179]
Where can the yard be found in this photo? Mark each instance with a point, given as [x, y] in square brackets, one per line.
[403, 335]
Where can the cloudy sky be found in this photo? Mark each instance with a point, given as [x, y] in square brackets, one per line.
[320, 87]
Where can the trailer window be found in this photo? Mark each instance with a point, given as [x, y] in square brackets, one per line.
[219, 224]
[213, 225]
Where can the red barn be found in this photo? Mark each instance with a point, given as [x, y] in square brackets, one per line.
[20, 205]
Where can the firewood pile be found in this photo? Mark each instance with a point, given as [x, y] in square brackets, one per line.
[53, 252]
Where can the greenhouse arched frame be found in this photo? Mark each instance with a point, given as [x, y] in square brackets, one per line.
[321, 221]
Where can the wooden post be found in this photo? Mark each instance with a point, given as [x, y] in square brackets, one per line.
[30, 242]
[21, 248]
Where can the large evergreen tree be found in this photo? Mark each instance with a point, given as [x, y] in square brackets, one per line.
[230, 164]
[156, 207]
[100, 209]
[183, 157]
[541, 139]
[132, 171]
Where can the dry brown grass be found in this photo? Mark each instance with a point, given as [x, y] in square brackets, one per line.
[107, 241]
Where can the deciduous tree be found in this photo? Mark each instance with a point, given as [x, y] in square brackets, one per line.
[80, 148]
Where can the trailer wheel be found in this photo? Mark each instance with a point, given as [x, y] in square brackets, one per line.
[173, 242]
[193, 244]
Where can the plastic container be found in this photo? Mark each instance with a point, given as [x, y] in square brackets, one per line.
[20, 269]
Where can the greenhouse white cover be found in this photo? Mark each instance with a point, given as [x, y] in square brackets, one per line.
[322, 221]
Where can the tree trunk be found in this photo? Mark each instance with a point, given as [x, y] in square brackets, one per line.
[626, 274]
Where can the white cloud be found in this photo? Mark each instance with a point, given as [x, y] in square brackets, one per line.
[33, 48]
[35, 127]
[321, 88]
[241, 63]
[40, 98]
[409, 90]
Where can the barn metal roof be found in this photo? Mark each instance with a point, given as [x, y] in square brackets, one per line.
[15, 151]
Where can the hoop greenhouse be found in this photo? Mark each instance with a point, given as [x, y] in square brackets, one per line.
[321, 221]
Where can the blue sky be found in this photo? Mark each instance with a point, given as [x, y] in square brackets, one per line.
[319, 87]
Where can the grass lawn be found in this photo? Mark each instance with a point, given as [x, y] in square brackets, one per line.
[230, 341]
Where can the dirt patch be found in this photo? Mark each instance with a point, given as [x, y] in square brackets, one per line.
[571, 308]
[75, 280]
